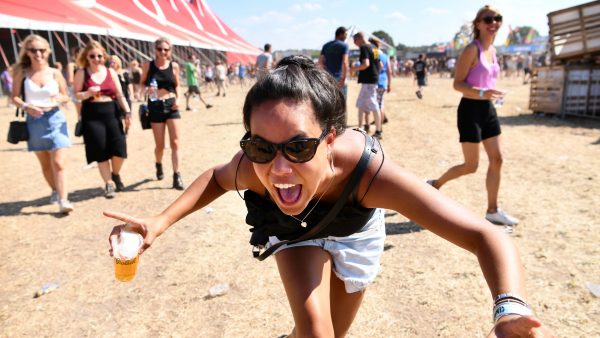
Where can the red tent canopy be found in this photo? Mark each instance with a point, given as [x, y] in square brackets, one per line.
[185, 22]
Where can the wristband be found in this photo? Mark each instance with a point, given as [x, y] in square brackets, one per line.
[481, 92]
[509, 297]
[510, 308]
[24, 105]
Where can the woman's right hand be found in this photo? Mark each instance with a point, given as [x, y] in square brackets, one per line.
[34, 111]
[93, 90]
[493, 94]
[149, 228]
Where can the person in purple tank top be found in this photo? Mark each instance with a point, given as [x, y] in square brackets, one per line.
[476, 73]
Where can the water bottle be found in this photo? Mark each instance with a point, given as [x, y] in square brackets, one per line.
[498, 103]
[153, 90]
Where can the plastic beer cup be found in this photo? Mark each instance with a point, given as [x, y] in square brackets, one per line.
[126, 256]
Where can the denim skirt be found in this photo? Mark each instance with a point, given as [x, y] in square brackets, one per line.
[48, 132]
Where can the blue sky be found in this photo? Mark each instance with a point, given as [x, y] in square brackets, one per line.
[295, 24]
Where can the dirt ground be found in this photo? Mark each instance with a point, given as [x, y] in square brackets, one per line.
[427, 287]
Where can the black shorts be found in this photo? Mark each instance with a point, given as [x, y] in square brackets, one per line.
[193, 90]
[421, 81]
[527, 70]
[160, 110]
[102, 129]
[477, 120]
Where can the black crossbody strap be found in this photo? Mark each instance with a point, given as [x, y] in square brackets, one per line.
[343, 199]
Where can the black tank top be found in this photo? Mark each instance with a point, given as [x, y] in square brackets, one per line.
[266, 219]
[164, 77]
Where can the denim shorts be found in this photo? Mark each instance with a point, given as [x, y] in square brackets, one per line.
[160, 110]
[355, 258]
[367, 98]
[380, 93]
[48, 132]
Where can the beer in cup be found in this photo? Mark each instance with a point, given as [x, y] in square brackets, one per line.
[96, 92]
[126, 255]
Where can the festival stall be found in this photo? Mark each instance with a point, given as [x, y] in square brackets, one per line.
[571, 86]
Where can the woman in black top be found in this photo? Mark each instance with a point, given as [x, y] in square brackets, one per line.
[297, 158]
[163, 107]
[124, 80]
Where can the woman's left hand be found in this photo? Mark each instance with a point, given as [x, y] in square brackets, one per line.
[60, 98]
[127, 120]
[175, 106]
[520, 326]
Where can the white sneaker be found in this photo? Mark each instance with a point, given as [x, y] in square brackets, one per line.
[501, 218]
[54, 197]
[65, 207]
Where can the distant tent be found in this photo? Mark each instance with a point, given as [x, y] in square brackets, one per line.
[189, 24]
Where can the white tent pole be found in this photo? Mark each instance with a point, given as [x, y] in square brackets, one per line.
[66, 38]
[108, 42]
[144, 56]
[14, 43]
[79, 41]
[122, 49]
[124, 53]
[52, 47]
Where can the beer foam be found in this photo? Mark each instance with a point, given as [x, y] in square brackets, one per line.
[129, 244]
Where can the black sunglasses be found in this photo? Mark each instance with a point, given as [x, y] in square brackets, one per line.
[489, 19]
[35, 50]
[163, 49]
[297, 150]
[97, 56]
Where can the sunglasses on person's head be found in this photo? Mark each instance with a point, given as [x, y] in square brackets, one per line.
[163, 49]
[298, 150]
[35, 50]
[489, 19]
[97, 56]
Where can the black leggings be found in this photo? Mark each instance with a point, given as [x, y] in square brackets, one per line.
[103, 133]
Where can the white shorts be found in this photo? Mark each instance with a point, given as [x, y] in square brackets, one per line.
[367, 98]
[355, 258]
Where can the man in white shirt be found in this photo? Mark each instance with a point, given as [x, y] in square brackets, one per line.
[264, 62]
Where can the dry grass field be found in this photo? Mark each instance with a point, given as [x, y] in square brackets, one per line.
[427, 287]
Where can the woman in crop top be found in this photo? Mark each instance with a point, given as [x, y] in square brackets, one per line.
[163, 106]
[44, 91]
[297, 158]
[99, 91]
[476, 73]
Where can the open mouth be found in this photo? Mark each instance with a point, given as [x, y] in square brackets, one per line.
[288, 193]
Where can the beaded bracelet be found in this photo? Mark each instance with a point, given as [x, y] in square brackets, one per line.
[509, 295]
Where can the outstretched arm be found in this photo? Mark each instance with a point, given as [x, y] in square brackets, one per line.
[396, 189]
[209, 186]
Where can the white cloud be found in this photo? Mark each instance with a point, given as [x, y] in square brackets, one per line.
[397, 16]
[268, 17]
[436, 11]
[308, 26]
[308, 6]
[374, 8]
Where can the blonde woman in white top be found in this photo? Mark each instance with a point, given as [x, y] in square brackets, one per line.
[45, 90]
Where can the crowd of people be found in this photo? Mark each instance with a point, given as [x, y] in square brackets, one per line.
[103, 92]
[315, 189]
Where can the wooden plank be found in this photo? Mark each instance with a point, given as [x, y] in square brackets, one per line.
[575, 31]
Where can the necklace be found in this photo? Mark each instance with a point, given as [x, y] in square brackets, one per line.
[302, 222]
